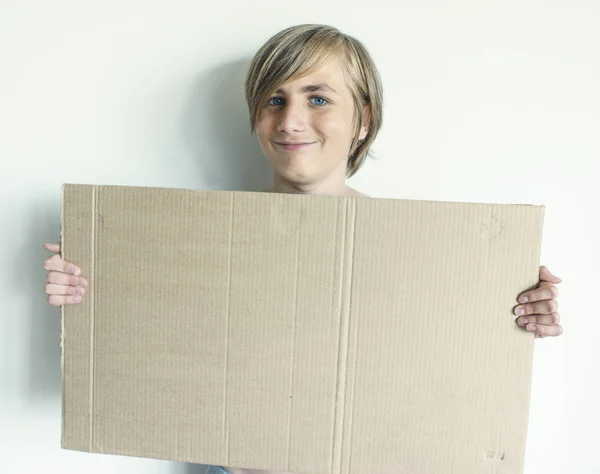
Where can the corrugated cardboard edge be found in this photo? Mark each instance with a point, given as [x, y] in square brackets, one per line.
[62, 320]
[92, 318]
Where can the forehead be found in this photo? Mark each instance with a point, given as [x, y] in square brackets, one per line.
[328, 76]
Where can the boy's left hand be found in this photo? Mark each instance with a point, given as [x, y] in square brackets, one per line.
[538, 309]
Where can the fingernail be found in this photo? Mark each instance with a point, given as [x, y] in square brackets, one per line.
[523, 299]
[77, 291]
[77, 272]
[76, 299]
[531, 328]
[520, 311]
[523, 321]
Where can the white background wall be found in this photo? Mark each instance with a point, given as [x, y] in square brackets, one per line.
[483, 103]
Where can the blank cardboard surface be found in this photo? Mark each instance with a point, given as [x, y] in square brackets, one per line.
[306, 334]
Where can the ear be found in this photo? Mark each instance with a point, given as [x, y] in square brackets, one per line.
[366, 120]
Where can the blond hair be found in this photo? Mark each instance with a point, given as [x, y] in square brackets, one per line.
[299, 50]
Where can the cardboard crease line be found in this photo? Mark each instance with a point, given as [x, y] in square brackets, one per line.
[333, 307]
[347, 256]
[293, 351]
[351, 231]
[227, 326]
[340, 381]
[356, 333]
[93, 311]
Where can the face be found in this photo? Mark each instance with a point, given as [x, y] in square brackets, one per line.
[305, 130]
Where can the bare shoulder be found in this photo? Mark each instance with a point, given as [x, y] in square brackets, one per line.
[354, 193]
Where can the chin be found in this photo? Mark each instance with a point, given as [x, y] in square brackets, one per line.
[298, 177]
[294, 171]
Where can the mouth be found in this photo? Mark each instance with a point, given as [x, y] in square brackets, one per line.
[290, 146]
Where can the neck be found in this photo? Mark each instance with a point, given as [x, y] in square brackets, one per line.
[332, 186]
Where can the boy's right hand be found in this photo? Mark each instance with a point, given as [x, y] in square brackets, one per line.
[65, 285]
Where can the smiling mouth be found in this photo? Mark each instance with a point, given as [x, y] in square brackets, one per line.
[293, 146]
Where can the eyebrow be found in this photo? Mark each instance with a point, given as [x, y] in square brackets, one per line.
[313, 88]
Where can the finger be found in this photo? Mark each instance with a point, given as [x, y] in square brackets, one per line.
[59, 300]
[58, 264]
[52, 247]
[541, 307]
[546, 319]
[63, 290]
[545, 275]
[545, 291]
[61, 278]
[541, 330]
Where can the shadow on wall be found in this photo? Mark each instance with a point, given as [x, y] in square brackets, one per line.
[193, 469]
[217, 132]
[44, 372]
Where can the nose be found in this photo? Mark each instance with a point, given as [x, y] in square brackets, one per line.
[292, 118]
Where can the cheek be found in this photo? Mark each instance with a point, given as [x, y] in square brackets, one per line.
[336, 128]
[262, 129]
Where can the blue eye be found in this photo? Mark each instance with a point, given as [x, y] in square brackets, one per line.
[275, 101]
[319, 101]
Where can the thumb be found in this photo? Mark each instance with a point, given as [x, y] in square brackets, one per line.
[52, 247]
[546, 275]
